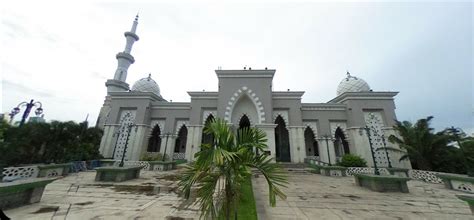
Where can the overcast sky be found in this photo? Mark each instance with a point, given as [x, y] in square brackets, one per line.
[61, 54]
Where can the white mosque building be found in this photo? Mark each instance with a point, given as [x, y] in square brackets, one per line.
[147, 123]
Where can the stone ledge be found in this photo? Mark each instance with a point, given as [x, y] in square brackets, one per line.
[401, 172]
[333, 170]
[22, 192]
[382, 183]
[457, 182]
[117, 174]
[162, 165]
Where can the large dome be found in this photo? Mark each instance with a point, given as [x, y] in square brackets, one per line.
[352, 84]
[146, 85]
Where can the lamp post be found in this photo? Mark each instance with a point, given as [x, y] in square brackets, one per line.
[327, 138]
[29, 106]
[167, 135]
[129, 129]
[367, 130]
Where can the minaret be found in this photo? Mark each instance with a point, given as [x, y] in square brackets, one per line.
[124, 60]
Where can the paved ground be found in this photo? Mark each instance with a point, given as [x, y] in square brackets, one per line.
[312, 196]
[78, 196]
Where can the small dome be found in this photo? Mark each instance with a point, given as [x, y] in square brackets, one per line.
[146, 85]
[352, 84]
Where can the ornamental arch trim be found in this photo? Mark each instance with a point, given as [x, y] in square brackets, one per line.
[252, 96]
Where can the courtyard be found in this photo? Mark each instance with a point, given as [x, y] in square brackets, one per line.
[310, 196]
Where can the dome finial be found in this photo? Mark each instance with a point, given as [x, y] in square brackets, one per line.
[136, 17]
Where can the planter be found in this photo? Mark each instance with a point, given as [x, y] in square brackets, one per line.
[22, 192]
[382, 183]
[162, 165]
[51, 170]
[400, 172]
[315, 168]
[333, 170]
[458, 182]
[469, 199]
[117, 174]
[107, 163]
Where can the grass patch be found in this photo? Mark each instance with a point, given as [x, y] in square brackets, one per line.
[247, 209]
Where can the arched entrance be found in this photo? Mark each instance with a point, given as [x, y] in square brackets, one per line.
[207, 138]
[310, 143]
[154, 143]
[244, 122]
[180, 144]
[341, 146]
[282, 141]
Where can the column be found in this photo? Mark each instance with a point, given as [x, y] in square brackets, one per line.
[269, 130]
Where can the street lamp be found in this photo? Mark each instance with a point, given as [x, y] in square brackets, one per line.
[327, 138]
[167, 135]
[367, 130]
[129, 129]
[29, 106]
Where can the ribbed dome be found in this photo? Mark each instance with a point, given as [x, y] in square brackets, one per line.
[146, 85]
[352, 84]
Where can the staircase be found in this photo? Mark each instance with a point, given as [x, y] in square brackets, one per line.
[301, 168]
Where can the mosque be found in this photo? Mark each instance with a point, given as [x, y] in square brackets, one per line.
[144, 121]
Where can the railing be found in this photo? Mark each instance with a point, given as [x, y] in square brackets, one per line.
[425, 176]
[13, 173]
[179, 156]
[365, 170]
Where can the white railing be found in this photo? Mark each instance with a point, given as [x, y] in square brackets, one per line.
[425, 176]
[179, 156]
[350, 171]
[144, 164]
[13, 173]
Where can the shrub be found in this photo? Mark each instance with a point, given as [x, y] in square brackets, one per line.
[153, 157]
[351, 160]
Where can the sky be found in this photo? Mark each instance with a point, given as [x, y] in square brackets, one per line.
[61, 53]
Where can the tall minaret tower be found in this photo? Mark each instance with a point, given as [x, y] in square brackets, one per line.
[124, 59]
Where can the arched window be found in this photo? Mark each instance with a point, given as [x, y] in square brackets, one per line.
[310, 143]
[282, 142]
[180, 145]
[208, 138]
[154, 143]
[341, 146]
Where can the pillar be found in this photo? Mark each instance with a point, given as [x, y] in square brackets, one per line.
[269, 130]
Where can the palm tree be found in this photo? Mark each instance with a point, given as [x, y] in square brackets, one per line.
[422, 145]
[221, 168]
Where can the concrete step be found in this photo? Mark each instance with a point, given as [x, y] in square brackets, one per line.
[292, 165]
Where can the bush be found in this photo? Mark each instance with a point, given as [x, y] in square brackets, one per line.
[351, 160]
[153, 157]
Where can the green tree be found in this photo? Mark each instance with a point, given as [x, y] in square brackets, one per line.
[223, 167]
[422, 145]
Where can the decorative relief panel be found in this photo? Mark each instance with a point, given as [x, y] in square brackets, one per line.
[127, 118]
[374, 121]
[342, 125]
[180, 124]
[313, 125]
[283, 114]
[206, 113]
[20, 172]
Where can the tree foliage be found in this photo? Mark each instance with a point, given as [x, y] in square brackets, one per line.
[224, 165]
[54, 142]
[441, 151]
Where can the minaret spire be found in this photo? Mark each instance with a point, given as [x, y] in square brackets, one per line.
[124, 60]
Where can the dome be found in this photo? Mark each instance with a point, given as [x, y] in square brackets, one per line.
[146, 85]
[352, 84]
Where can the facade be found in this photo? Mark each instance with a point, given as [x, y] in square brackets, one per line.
[144, 121]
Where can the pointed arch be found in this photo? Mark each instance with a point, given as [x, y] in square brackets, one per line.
[181, 139]
[207, 138]
[341, 146]
[282, 141]
[312, 148]
[154, 142]
[244, 91]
